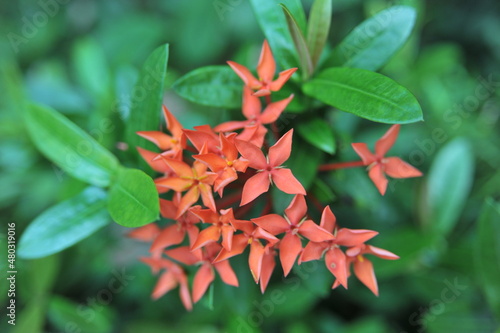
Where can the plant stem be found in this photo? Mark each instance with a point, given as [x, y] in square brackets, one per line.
[342, 165]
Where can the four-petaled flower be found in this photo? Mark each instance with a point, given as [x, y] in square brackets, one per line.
[294, 223]
[269, 169]
[266, 69]
[379, 165]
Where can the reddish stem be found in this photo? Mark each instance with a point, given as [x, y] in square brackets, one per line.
[342, 165]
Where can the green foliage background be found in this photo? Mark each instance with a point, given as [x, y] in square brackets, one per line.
[84, 61]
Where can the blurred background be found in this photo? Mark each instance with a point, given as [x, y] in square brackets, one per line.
[82, 58]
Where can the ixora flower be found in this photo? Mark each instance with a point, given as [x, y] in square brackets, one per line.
[266, 69]
[379, 165]
[269, 169]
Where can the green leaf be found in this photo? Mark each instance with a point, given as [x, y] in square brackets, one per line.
[300, 44]
[366, 94]
[133, 199]
[318, 28]
[448, 185]
[217, 86]
[317, 132]
[91, 68]
[487, 253]
[65, 224]
[371, 44]
[68, 146]
[68, 316]
[31, 319]
[273, 23]
[147, 98]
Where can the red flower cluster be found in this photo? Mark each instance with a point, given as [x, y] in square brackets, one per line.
[203, 163]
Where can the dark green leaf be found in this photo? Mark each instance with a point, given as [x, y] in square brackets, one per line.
[69, 146]
[273, 23]
[300, 44]
[217, 86]
[448, 185]
[317, 132]
[487, 253]
[375, 41]
[67, 316]
[133, 199]
[65, 224]
[366, 94]
[318, 28]
[147, 97]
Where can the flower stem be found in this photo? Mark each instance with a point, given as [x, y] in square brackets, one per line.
[342, 165]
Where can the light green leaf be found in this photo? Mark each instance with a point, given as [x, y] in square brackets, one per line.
[318, 28]
[366, 94]
[147, 98]
[448, 185]
[217, 86]
[31, 318]
[371, 44]
[65, 224]
[68, 146]
[133, 199]
[91, 68]
[487, 253]
[273, 23]
[317, 132]
[300, 44]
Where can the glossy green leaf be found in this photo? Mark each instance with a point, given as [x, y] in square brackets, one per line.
[133, 199]
[318, 28]
[69, 316]
[217, 86]
[273, 23]
[300, 43]
[65, 224]
[371, 44]
[366, 94]
[317, 132]
[448, 185]
[147, 98]
[487, 253]
[68, 146]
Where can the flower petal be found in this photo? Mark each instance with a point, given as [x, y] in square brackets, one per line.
[273, 223]
[335, 261]
[266, 67]
[381, 253]
[227, 232]
[353, 237]
[385, 143]
[202, 280]
[363, 268]
[226, 273]
[171, 235]
[145, 233]
[240, 242]
[328, 219]
[282, 78]
[245, 74]
[156, 165]
[314, 232]
[296, 210]
[396, 168]
[377, 176]
[290, 247]
[174, 183]
[273, 111]
[184, 255]
[166, 282]
[208, 235]
[207, 196]
[160, 139]
[362, 150]
[184, 293]
[286, 181]
[280, 151]
[214, 162]
[180, 168]
[230, 126]
[255, 186]
[251, 104]
[268, 264]
[313, 251]
[253, 154]
[255, 259]
[188, 200]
